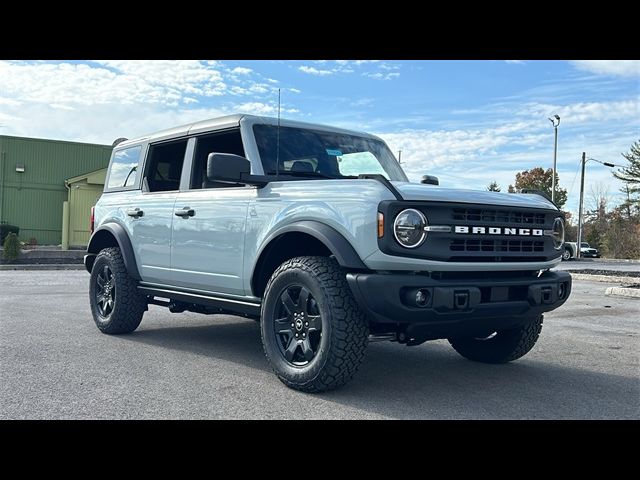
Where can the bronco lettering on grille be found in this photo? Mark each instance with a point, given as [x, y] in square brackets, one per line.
[535, 232]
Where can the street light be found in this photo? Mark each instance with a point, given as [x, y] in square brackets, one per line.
[556, 118]
[584, 161]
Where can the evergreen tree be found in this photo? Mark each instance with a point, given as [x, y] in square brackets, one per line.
[493, 187]
[630, 175]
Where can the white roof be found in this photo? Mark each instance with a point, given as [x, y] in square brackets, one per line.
[229, 121]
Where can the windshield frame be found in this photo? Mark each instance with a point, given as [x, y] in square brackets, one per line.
[258, 167]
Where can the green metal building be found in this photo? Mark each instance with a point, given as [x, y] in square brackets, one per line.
[37, 176]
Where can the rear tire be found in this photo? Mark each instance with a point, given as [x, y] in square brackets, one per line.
[502, 346]
[116, 304]
[566, 255]
[313, 332]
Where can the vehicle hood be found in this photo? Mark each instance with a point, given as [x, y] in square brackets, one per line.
[433, 193]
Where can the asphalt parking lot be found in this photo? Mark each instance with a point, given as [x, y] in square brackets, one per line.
[55, 364]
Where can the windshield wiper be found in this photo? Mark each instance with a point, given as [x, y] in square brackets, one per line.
[314, 175]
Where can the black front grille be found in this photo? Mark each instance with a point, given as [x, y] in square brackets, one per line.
[518, 246]
[493, 233]
[497, 216]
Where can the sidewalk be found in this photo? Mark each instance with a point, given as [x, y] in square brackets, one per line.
[43, 255]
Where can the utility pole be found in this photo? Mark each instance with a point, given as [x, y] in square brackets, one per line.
[555, 155]
[578, 253]
[400, 156]
[584, 161]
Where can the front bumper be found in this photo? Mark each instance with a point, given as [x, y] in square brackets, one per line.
[458, 306]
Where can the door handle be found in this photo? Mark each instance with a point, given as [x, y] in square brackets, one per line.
[136, 213]
[185, 212]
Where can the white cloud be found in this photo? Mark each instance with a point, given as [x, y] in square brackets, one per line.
[261, 108]
[584, 112]
[9, 101]
[103, 100]
[259, 88]
[241, 71]
[314, 71]
[294, 90]
[272, 80]
[256, 108]
[515, 62]
[381, 76]
[387, 66]
[622, 68]
[362, 102]
[125, 82]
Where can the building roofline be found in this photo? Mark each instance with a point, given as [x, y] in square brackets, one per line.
[55, 141]
[83, 175]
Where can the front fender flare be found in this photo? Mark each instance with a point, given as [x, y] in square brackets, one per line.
[339, 246]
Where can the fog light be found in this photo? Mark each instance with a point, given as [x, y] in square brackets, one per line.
[422, 298]
[561, 290]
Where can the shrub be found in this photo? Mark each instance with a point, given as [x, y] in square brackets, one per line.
[11, 247]
[5, 229]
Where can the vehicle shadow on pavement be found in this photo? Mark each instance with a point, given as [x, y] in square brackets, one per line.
[433, 381]
[237, 341]
[429, 381]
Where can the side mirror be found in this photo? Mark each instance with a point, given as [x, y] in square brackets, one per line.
[226, 167]
[430, 180]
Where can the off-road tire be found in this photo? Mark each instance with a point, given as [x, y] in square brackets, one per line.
[129, 305]
[505, 346]
[345, 330]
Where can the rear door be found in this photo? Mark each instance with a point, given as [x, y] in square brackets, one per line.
[150, 214]
[207, 246]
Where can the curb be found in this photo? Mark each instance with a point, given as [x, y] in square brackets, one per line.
[605, 260]
[603, 278]
[43, 266]
[623, 292]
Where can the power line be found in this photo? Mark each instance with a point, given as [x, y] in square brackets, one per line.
[574, 179]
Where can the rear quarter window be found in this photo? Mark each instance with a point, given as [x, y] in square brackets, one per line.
[124, 168]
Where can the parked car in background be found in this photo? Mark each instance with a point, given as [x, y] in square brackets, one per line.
[586, 251]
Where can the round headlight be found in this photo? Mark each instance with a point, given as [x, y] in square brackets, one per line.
[408, 228]
[558, 233]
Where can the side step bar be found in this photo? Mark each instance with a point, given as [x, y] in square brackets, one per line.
[225, 304]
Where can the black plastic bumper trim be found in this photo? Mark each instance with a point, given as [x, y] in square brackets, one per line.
[454, 306]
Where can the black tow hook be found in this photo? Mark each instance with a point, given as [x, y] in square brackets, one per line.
[461, 299]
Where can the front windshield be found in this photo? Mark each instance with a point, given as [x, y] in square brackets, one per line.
[584, 245]
[325, 154]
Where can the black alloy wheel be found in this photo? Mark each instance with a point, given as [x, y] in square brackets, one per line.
[105, 292]
[298, 325]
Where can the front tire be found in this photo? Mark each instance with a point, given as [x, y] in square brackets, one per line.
[116, 304]
[313, 332]
[502, 346]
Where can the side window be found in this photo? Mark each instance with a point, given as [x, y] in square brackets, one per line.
[124, 168]
[164, 166]
[229, 141]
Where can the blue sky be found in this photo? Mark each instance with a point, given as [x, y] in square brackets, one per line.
[468, 122]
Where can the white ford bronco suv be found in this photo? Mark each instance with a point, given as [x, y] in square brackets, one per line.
[316, 232]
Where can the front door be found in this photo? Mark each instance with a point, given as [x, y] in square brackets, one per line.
[207, 245]
[208, 240]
